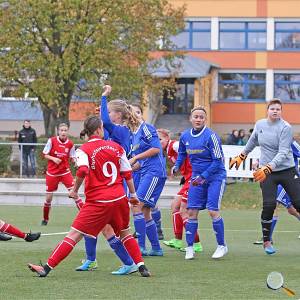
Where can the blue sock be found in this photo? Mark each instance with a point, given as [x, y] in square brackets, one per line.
[120, 250]
[90, 248]
[191, 228]
[274, 222]
[156, 216]
[140, 228]
[151, 232]
[218, 226]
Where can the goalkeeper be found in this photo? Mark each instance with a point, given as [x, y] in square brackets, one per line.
[276, 165]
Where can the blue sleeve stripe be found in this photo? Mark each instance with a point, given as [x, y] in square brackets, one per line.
[147, 132]
[217, 150]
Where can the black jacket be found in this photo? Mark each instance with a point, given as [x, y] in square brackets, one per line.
[27, 135]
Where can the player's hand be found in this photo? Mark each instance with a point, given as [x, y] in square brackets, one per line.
[73, 195]
[136, 166]
[237, 160]
[174, 170]
[198, 180]
[261, 173]
[106, 90]
[56, 160]
[132, 160]
[97, 110]
[134, 201]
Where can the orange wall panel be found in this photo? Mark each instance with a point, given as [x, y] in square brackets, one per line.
[218, 8]
[229, 60]
[79, 111]
[283, 60]
[233, 112]
[291, 112]
[283, 8]
[262, 8]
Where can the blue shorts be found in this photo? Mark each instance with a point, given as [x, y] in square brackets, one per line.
[206, 196]
[149, 189]
[136, 176]
[283, 198]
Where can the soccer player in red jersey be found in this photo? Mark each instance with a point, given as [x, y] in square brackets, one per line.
[103, 165]
[14, 231]
[58, 151]
[179, 203]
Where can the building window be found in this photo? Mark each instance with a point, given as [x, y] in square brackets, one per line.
[287, 87]
[243, 35]
[242, 86]
[196, 36]
[287, 35]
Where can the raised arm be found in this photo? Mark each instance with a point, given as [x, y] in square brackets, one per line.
[104, 114]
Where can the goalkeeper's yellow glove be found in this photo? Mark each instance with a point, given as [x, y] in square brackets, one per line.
[261, 173]
[237, 160]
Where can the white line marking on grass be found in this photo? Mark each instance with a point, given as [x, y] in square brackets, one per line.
[54, 233]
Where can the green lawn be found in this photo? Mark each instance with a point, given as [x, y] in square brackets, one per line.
[240, 275]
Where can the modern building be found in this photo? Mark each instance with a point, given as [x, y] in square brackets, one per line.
[256, 46]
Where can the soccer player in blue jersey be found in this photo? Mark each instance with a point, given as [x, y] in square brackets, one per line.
[116, 124]
[283, 198]
[155, 212]
[203, 147]
[147, 152]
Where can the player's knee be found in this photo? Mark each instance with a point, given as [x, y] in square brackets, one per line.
[214, 214]
[268, 211]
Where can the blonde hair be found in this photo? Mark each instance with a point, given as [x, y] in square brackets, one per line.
[128, 116]
[164, 132]
[200, 107]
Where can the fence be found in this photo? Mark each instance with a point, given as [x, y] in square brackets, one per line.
[11, 157]
[12, 163]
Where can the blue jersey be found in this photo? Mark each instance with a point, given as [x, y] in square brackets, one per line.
[117, 133]
[296, 154]
[143, 139]
[205, 152]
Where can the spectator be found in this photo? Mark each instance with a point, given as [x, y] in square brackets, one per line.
[28, 135]
[242, 137]
[233, 138]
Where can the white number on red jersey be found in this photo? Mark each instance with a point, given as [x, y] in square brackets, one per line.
[113, 174]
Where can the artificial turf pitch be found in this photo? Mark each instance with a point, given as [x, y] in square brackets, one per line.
[239, 275]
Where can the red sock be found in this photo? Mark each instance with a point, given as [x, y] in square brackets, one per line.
[79, 203]
[132, 248]
[177, 225]
[46, 210]
[197, 238]
[7, 228]
[61, 251]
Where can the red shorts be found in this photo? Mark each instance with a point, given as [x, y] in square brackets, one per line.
[184, 191]
[53, 181]
[92, 217]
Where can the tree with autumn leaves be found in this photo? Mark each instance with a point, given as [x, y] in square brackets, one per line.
[56, 49]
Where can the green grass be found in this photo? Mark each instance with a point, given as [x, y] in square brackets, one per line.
[239, 275]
